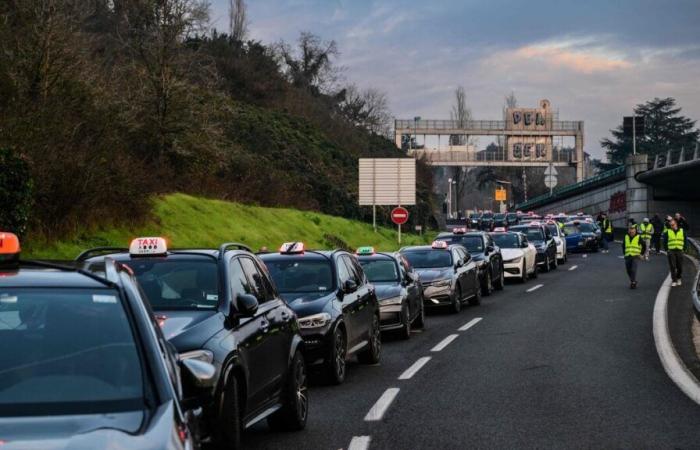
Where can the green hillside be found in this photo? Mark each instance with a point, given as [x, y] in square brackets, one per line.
[189, 221]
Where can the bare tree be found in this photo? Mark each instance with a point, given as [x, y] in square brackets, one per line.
[311, 66]
[461, 114]
[367, 108]
[510, 101]
[238, 20]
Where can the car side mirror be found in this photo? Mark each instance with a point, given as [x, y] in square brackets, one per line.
[349, 286]
[247, 304]
[459, 264]
[199, 374]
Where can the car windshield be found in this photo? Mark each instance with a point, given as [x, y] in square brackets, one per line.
[571, 229]
[380, 270]
[301, 275]
[512, 217]
[487, 216]
[474, 215]
[506, 240]
[429, 258]
[587, 227]
[553, 228]
[473, 244]
[178, 283]
[67, 351]
[499, 216]
[532, 233]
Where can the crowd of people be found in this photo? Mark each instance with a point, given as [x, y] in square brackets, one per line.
[669, 236]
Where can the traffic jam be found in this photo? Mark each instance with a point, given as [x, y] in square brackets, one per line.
[149, 346]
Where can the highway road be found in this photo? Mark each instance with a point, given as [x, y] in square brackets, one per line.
[570, 364]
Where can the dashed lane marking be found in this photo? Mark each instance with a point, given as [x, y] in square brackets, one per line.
[359, 443]
[444, 343]
[379, 409]
[534, 288]
[418, 365]
[470, 324]
[572, 268]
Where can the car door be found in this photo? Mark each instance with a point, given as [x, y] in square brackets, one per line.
[411, 286]
[365, 309]
[494, 263]
[349, 302]
[460, 270]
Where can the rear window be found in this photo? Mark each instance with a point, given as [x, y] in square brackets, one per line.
[532, 233]
[300, 275]
[473, 244]
[67, 351]
[429, 259]
[380, 270]
[506, 240]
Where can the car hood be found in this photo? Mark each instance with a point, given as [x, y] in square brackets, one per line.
[189, 329]
[387, 290]
[428, 275]
[307, 303]
[511, 253]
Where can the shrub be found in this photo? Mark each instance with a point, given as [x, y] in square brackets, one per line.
[15, 192]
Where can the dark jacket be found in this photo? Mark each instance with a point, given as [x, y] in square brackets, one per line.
[658, 224]
[641, 241]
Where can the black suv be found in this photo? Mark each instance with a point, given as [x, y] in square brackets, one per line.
[83, 354]
[398, 289]
[474, 221]
[337, 307]
[487, 222]
[540, 236]
[220, 306]
[500, 220]
[486, 255]
[448, 274]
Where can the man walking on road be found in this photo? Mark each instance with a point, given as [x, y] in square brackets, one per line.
[656, 235]
[607, 228]
[646, 230]
[632, 247]
[675, 243]
[682, 222]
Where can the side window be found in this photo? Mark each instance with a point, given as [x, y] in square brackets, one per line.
[239, 282]
[343, 271]
[257, 280]
[352, 270]
[357, 269]
[404, 269]
[456, 256]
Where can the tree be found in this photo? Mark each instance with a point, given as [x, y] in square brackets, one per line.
[238, 20]
[461, 114]
[15, 192]
[665, 130]
[510, 100]
[311, 66]
[366, 108]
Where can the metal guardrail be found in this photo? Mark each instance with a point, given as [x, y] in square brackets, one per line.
[439, 156]
[617, 172]
[420, 125]
[675, 157]
[694, 250]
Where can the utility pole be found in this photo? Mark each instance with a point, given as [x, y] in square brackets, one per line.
[524, 185]
[634, 133]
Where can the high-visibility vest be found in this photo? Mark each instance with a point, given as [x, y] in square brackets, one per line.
[676, 239]
[607, 226]
[646, 230]
[632, 246]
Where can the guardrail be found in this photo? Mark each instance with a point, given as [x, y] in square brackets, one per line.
[558, 156]
[694, 250]
[560, 192]
[675, 157]
[421, 125]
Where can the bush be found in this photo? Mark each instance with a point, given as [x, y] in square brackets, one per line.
[15, 192]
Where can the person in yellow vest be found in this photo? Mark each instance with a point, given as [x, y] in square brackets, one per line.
[607, 229]
[633, 247]
[646, 230]
[674, 241]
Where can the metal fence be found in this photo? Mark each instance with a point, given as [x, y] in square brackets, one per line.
[422, 125]
[461, 156]
[673, 157]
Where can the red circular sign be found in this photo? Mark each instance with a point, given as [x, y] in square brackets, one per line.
[399, 215]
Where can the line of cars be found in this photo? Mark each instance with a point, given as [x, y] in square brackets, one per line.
[152, 347]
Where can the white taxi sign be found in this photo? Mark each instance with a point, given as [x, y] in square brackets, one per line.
[148, 246]
[292, 247]
[439, 245]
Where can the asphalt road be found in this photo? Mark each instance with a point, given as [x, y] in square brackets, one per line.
[569, 365]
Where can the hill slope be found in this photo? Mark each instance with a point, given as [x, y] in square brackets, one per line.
[189, 221]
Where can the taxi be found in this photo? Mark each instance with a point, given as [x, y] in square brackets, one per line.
[398, 289]
[519, 255]
[220, 306]
[448, 274]
[85, 364]
[557, 231]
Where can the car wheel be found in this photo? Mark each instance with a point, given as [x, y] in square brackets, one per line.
[476, 299]
[420, 320]
[457, 301]
[501, 281]
[487, 286]
[406, 319]
[372, 353]
[228, 432]
[523, 276]
[293, 414]
[336, 364]
[547, 264]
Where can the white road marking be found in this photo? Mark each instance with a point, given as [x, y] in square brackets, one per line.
[359, 443]
[418, 365]
[585, 255]
[572, 268]
[379, 409]
[535, 287]
[444, 343]
[621, 257]
[672, 363]
[470, 324]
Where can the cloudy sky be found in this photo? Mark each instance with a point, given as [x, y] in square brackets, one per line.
[594, 59]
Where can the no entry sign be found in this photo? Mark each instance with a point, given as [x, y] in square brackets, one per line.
[399, 215]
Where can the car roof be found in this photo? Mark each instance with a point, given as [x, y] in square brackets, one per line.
[379, 255]
[307, 254]
[41, 277]
[428, 247]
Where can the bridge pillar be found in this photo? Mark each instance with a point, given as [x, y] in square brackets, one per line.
[637, 193]
[580, 163]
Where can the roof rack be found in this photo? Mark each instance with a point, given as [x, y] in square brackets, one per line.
[224, 247]
[99, 251]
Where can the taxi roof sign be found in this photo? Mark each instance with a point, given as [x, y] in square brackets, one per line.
[366, 250]
[148, 246]
[459, 230]
[9, 248]
[439, 245]
[499, 230]
[292, 248]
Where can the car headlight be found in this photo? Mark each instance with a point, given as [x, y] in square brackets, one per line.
[200, 355]
[391, 300]
[515, 260]
[315, 320]
[440, 283]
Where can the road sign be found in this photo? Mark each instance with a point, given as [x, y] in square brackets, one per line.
[633, 125]
[387, 181]
[500, 195]
[550, 181]
[550, 170]
[399, 215]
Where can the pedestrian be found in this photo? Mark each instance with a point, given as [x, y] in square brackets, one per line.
[675, 240]
[656, 235]
[632, 248]
[682, 222]
[646, 230]
[606, 227]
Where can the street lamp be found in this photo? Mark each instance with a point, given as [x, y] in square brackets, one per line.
[456, 202]
[449, 198]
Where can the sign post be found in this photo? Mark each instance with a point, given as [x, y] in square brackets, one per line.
[550, 178]
[399, 216]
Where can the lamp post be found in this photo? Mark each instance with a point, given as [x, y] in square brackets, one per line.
[456, 200]
[449, 198]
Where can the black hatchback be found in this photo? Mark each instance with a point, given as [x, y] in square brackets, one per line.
[337, 307]
[220, 306]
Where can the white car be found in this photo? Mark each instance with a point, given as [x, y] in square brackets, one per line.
[519, 256]
[559, 239]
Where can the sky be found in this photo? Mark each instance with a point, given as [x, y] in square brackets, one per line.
[594, 59]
